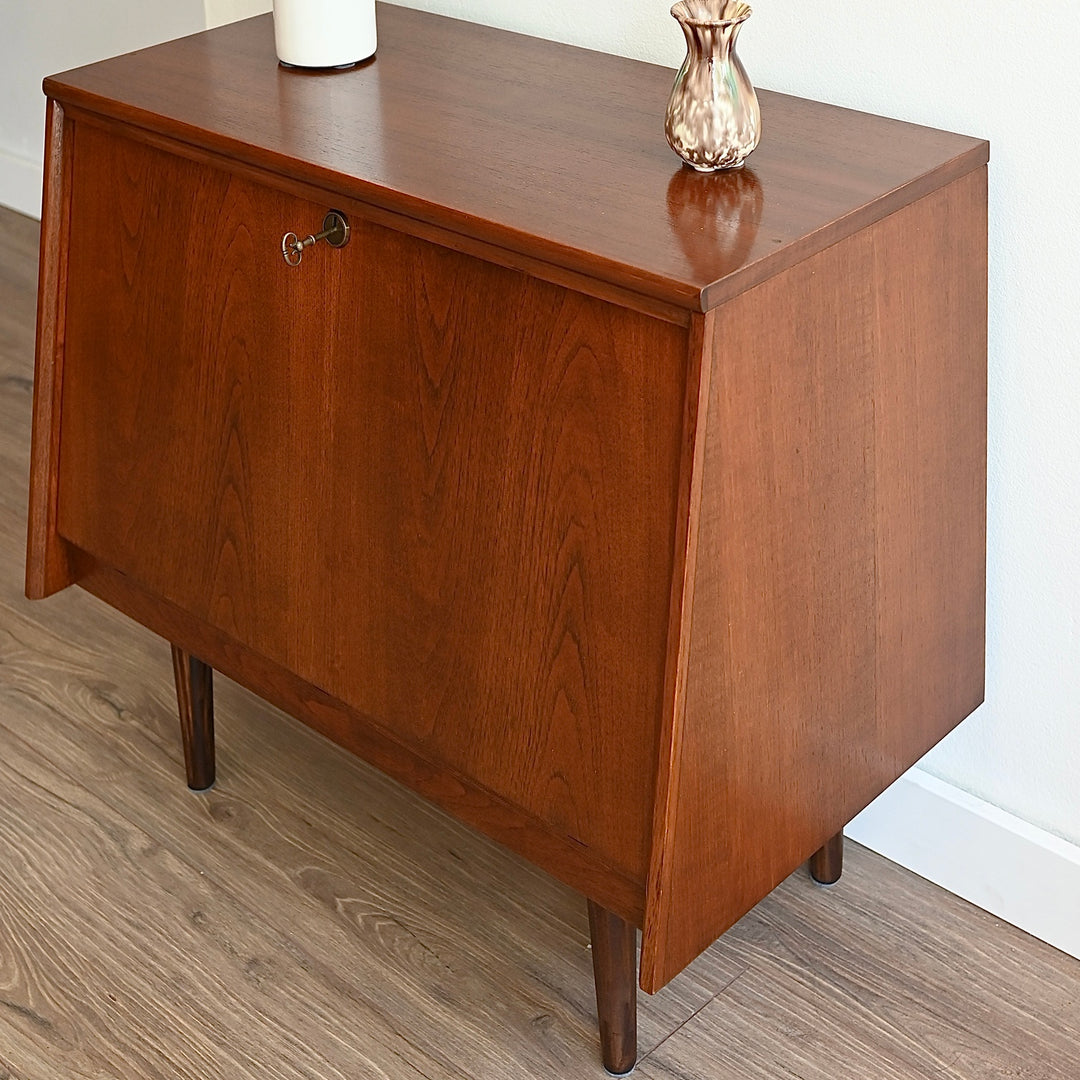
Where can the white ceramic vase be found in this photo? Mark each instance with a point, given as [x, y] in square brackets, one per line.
[324, 33]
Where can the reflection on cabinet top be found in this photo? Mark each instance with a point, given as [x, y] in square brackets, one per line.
[550, 153]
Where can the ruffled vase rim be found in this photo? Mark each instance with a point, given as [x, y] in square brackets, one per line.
[698, 13]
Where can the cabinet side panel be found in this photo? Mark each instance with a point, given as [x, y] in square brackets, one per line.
[837, 623]
[930, 459]
[48, 567]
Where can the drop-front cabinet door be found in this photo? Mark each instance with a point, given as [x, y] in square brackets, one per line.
[438, 489]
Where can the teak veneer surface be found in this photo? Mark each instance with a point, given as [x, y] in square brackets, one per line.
[546, 150]
[346, 475]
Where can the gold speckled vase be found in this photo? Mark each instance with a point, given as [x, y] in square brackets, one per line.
[713, 119]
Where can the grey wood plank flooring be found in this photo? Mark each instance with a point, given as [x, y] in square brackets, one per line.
[310, 919]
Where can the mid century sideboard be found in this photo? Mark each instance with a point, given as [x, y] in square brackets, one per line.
[634, 516]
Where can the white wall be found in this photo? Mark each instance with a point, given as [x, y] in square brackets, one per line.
[224, 11]
[46, 36]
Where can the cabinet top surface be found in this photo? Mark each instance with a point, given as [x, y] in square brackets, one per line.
[553, 152]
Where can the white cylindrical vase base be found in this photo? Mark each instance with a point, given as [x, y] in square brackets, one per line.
[324, 33]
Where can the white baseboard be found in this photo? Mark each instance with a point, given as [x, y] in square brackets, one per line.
[1019, 872]
[20, 184]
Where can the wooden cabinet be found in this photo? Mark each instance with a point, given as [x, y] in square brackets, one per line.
[634, 516]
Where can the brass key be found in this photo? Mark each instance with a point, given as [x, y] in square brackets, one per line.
[335, 232]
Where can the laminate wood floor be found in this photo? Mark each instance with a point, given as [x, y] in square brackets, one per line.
[309, 919]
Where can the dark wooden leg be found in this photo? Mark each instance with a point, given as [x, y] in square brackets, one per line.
[195, 697]
[614, 957]
[827, 863]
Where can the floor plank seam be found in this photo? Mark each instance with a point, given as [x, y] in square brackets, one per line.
[719, 993]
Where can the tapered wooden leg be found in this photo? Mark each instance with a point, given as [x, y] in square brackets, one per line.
[614, 957]
[195, 697]
[827, 863]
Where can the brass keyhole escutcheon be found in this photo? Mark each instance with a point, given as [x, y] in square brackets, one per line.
[335, 231]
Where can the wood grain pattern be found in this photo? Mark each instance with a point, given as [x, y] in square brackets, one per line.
[930, 511]
[143, 914]
[828, 441]
[566, 276]
[340, 914]
[680, 622]
[782, 600]
[461, 795]
[47, 564]
[544, 150]
[528, 658]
